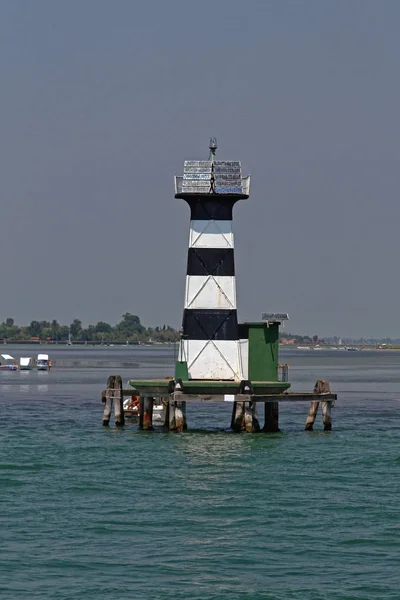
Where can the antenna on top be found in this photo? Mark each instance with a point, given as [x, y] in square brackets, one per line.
[213, 148]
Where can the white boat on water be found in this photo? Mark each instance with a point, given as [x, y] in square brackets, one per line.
[7, 363]
[132, 409]
[26, 363]
[43, 363]
[303, 348]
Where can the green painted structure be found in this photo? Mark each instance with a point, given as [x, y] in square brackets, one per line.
[263, 350]
[154, 387]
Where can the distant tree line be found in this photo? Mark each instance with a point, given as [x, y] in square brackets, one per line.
[303, 339]
[128, 329]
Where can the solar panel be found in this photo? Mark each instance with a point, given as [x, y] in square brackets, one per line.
[274, 317]
[227, 176]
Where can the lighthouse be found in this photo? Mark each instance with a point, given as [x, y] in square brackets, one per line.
[210, 346]
[219, 359]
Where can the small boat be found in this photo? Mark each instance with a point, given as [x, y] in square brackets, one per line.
[132, 408]
[303, 348]
[25, 363]
[43, 363]
[8, 363]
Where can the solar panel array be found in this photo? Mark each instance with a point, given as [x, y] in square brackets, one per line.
[197, 177]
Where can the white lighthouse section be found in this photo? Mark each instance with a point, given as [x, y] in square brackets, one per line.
[212, 359]
[209, 291]
[211, 234]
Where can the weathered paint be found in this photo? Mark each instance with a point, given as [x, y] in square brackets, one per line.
[209, 291]
[212, 359]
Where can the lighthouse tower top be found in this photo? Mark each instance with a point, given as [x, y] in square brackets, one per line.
[205, 177]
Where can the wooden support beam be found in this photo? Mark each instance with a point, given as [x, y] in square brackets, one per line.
[180, 416]
[171, 416]
[312, 413]
[323, 390]
[251, 422]
[288, 397]
[165, 402]
[271, 417]
[113, 395]
[147, 421]
[284, 397]
[237, 421]
[119, 417]
[141, 412]
[107, 398]
[177, 416]
[327, 415]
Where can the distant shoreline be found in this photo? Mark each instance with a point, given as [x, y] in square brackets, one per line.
[82, 343]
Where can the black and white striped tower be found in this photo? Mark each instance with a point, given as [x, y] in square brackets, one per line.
[210, 342]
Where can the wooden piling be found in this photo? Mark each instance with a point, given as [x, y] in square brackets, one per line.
[147, 420]
[141, 412]
[165, 402]
[171, 415]
[108, 400]
[271, 417]
[237, 421]
[113, 394]
[251, 422]
[321, 387]
[312, 413]
[119, 417]
[180, 416]
[177, 415]
[327, 414]
[248, 418]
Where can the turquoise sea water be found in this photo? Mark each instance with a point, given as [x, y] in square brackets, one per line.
[91, 512]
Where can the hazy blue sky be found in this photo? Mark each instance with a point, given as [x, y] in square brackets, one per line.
[101, 101]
